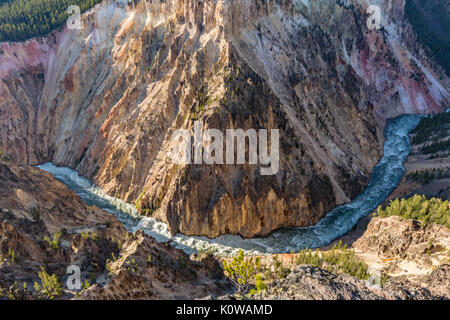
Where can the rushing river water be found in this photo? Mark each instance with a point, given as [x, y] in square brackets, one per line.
[385, 177]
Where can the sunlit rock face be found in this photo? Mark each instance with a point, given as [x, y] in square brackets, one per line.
[105, 100]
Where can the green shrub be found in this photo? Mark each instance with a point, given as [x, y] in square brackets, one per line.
[89, 235]
[240, 272]
[11, 293]
[86, 285]
[55, 241]
[260, 285]
[337, 260]
[12, 255]
[36, 214]
[280, 271]
[50, 287]
[431, 129]
[419, 208]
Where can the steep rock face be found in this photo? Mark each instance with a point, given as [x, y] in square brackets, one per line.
[106, 99]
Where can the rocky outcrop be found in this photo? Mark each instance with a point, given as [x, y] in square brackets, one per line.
[407, 244]
[311, 283]
[30, 194]
[106, 99]
[149, 270]
[118, 265]
[407, 260]
[433, 286]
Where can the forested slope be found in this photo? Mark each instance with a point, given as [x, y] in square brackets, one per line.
[431, 22]
[24, 19]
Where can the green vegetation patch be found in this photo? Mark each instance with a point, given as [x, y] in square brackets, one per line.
[49, 286]
[338, 260]
[428, 175]
[55, 240]
[240, 272]
[433, 134]
[436, 146]
[432, 128]
[419, 208]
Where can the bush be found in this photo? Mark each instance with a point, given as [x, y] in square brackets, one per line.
[89, 235]
[36, 214]
[12, 255]
[50, 286]
[260, 285]
[281, 271]
[86, 285]
[54, 243]
[240, 272]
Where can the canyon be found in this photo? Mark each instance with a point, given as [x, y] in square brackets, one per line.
[104, 100]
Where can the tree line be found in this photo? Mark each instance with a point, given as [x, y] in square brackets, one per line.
[24, 19]
[418, 207]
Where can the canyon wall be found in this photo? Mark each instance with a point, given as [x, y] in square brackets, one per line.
[105, 100]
